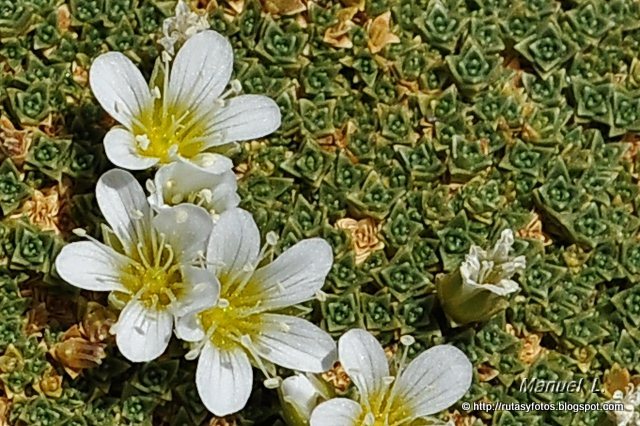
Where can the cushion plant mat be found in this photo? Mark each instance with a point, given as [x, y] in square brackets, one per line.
[411, 131]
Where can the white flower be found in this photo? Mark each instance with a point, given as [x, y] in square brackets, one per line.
[187, 116]
[300, 394]
[183, 182]
[245, 326]
[432, 382]
[627, 415]
[493, 270]
[181, 27]
[147, 267]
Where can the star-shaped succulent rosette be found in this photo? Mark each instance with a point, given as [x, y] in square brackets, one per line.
[187, 116]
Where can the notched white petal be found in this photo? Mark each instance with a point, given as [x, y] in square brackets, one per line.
[224, 379]
[435, 380]
[336, 412]
[91, 265]
[119, 87]
[143, 334]
[364, 360]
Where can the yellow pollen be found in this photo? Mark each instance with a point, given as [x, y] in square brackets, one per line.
[163, 133]
[153, 276]
[231, 319]
[157, 287]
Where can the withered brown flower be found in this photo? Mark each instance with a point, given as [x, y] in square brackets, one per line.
[380, 34]
[337, 377]
[364, 236]
[617, 378]
[284, 7]
[97, 322]
[42, 209]
[75, 352]
[5, 406]
[338, 35]
[223, 421]
[531, 349]
[533, 230]
[63, 16]
[14, 143]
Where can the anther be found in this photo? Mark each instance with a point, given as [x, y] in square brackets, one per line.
[151, 186]
[224, 303]
[272, 238]
[321, 296]
[272, 382]
[80, 232]
[407, 340]
[236, 86]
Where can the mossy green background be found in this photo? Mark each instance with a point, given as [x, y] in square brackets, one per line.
[482, 115]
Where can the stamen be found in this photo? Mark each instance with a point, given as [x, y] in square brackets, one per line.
[173, 152]
[143, 258]
[80, 232]
[143, 141]
[151, 186]
[272, 238]
[206, 194]
[273, 382]
[369, 419]
[248, 344]
[156, 93]
[223, 303]
[407, 340]
[169, 260]
[236, 86]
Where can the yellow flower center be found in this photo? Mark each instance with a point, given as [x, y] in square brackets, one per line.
[164, 131]
[233, 317]
[154, 276]
[384, 410]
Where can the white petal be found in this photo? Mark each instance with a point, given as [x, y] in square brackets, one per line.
[203, 289]
[295, 276]
[143, 334]
[124, 206]
[243, 118]
[295, 343]
[211, 162]
[301, 393]
[234, 243]
[91, 266]
[189, 329]
[434, 381]
[186, 228]
[224, 197]
[176, 181]
[201, 71]
[119, 145]
[224, 379]
[119, 87]
[336, 412]
[364, 360]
